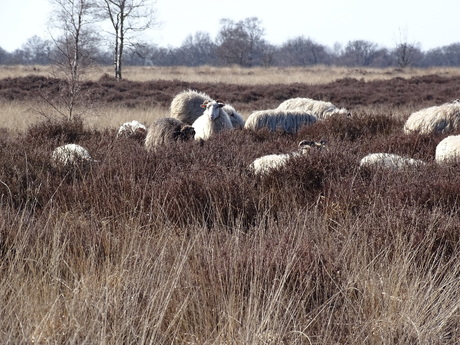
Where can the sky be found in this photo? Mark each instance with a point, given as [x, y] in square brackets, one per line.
[431, 24]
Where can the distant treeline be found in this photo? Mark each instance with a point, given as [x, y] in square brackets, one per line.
[242, 43]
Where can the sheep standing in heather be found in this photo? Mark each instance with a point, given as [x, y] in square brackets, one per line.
[167, 130]
[279, 120]
[268, 163]
[186, 107]
[390, 161]
[443, 118]
[213, 120]
[71, 155]
[321, 109]
[448, 150]
[133, 129]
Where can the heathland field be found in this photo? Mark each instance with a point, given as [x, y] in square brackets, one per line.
[185, 246]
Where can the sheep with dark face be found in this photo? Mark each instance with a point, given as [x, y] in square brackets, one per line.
[279, 120]
[268, 163]
[321, 109]
[213, 120]
[71, 155]
[167, 130]
[443, 118]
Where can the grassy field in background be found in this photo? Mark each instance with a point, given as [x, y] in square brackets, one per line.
[185, 246]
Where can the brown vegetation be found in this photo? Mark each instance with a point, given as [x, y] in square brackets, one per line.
[184, 246]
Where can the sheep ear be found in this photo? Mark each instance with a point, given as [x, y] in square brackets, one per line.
[220, 103]
[205, 103]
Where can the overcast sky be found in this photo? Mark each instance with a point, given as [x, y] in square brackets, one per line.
[430, 23]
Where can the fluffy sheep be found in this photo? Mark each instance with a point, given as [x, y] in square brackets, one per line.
[279, 120]
[235, 117]
[71, 155]
[443, 118]
[321, 109]
[167, 130]
[448, 150]
[133, 129]
[268, 163]
[186, 106]
[213, 120]
[390, 161]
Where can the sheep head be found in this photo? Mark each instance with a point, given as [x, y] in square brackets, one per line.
[212, 109]
[305, 145]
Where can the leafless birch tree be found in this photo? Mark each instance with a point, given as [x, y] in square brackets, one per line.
[127, 18]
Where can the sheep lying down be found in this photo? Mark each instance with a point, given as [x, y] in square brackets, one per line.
[389, 161]
[268, 163]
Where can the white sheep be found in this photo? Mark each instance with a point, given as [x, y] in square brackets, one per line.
[186, 107]
[213, 120]
[167, 130]
[268, 163]
[443, 118]
[321, 109]
[71, 155]
[390, 161]
[133, 129]
[448, 150]
[279, 120]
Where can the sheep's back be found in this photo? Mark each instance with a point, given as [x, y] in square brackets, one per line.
[444, 118]
[278, 120]
[448, 150]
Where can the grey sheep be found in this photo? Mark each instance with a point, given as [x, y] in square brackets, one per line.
[321, 109]
[443, 118]
[279, 120]
[167, 130]
[213, 120]
[186, 107]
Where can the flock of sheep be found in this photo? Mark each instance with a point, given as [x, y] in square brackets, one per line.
[196, 116]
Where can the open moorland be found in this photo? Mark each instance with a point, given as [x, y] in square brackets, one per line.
[185, 246]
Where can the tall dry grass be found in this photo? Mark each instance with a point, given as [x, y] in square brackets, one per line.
[241, 76]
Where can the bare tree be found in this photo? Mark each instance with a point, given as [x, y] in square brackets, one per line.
[240, 43]
[405, 52]
[73, 20]
[127, 18]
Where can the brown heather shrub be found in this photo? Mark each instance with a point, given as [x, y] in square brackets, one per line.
[185, 246]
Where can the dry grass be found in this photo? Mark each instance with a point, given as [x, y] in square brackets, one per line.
[243, 76]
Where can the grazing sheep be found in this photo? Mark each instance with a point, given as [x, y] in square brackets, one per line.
[390, 161]
[71, 155]
[213, 120]
[268, 163]
[321, 109]
[235, 117]
[167, 130]
[448, 150]
[443, 118]
[186, 105]
[133, 129]
[279, 120]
